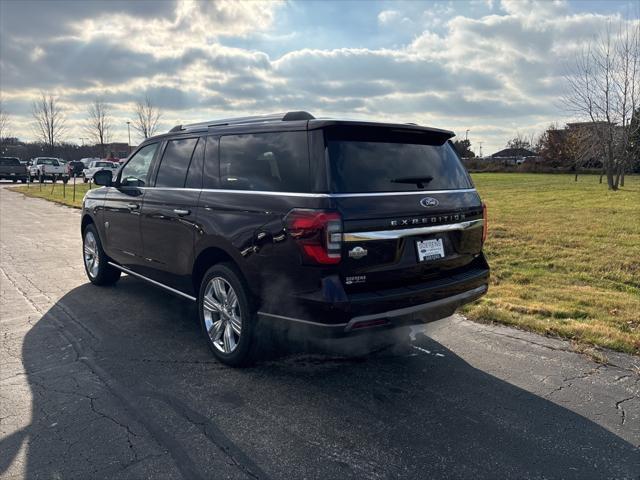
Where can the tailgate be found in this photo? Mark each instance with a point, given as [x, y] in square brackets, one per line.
[404, 242]
[409, 209]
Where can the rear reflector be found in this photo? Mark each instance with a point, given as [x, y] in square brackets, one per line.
[485, 223]
[318, 232]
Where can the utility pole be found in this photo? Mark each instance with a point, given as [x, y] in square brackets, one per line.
[82, 139]
[129, 132]
[466, 135]
[480, 143]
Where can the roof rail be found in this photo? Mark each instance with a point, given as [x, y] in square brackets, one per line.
[285, 117]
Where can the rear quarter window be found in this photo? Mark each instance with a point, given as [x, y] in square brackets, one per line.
[265, 161]
[362, 162]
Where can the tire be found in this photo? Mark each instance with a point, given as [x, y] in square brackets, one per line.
[24, 180]
[84, 179]
[238, 316]
[14, 180]
[95, 260]
[65, 181]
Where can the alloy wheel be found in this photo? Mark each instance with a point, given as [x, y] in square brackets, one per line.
[222, 315]
[91, 260]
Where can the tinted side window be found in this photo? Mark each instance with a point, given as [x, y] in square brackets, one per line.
[211, 167]
[175, 163]
[265, 161]
[194, 176]
[134, 173]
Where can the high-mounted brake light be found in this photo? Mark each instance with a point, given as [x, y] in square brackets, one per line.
[485, 222]
[318, 232]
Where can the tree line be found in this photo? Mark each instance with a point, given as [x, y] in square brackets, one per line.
[50, 129]
[603, 95]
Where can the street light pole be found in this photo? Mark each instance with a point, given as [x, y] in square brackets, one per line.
[129, 132]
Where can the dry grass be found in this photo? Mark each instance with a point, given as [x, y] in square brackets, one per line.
[57, 192]
[565, 258]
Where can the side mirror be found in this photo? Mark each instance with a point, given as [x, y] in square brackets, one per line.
[103, 177]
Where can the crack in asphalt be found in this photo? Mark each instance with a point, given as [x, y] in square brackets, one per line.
[622, 410]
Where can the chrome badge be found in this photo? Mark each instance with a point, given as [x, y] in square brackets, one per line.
[427, 202]
[357, 252]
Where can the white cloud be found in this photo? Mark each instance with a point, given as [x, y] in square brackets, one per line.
[386, 17]
[493, 74]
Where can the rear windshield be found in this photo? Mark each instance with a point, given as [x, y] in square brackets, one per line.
[105, 164]
[9, 162]
[363, 160]
[49, 161]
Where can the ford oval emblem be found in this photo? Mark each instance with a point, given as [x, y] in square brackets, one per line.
[427, 202]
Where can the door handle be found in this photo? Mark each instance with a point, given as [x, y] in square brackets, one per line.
[181, 212]
[133, 206]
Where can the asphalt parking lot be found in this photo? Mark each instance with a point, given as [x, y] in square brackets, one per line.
[118, 383]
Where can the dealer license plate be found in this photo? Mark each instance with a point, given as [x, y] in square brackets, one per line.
[430, 249]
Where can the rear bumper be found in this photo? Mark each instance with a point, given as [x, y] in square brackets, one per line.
[415, 304]
[13, 176]
[415, 314]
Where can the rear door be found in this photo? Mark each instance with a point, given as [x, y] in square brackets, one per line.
[169, 212]
[123, 205]
[410, 212]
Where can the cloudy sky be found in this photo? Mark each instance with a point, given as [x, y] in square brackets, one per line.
[494, 67]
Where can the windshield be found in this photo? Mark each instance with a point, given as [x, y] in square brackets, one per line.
[388, 161]
[105, 164]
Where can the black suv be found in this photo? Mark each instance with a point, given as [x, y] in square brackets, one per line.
[337, 227]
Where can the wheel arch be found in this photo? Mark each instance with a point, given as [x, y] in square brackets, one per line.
[210, 256]
[86, 220]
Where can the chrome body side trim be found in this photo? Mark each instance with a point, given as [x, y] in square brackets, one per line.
[312, 195]
[408, 232]
[157, 284]
[390, 194]
[299, 320]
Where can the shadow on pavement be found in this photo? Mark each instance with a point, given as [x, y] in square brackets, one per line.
[123, 386]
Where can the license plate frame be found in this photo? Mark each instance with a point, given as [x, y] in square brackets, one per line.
[430, 249]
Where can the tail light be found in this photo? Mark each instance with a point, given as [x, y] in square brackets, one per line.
[485, 222]
[318, 232]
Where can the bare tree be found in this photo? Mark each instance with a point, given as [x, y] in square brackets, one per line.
[48, 120]
[521, 141]
[98, 124]
[147, 117]
[4, 122]
[604, 89]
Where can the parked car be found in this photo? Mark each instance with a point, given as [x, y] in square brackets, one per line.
[75, 168]
[12, 169]
[48, 168]
[335, 228]
[97, 165]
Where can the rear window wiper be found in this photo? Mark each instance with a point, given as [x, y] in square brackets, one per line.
[419, 181]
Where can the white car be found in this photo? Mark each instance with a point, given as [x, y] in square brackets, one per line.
[96, 165]
[51, 168]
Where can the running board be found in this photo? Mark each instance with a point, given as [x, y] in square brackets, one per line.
[153, 282]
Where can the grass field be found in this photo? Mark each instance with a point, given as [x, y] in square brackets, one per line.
[56, 192]
[565, 256]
